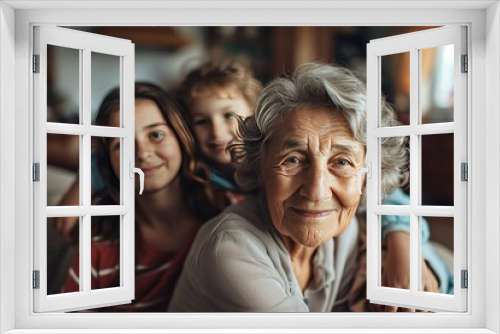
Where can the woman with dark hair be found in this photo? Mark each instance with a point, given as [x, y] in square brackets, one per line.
[166, 217]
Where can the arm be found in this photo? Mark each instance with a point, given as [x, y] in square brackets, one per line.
[396, 270]
[395, 233]
[68, 226]
[63, 151]
[400, 223]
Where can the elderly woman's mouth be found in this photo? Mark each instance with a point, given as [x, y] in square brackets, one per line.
[313, 213]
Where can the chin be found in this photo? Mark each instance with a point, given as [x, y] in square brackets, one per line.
[221, 160]
[313, 237]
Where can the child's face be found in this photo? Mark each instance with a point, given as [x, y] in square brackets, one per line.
[157, 151]
[214, 122]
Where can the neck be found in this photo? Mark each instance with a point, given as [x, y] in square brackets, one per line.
[299, 254]
[165, 206]
[301, 258]
[226, 170]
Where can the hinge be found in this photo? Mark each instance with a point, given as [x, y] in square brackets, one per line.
[465, 279]
[465, 64]
[464, 171]
[36, 172]
[36, 63]
[36, 279]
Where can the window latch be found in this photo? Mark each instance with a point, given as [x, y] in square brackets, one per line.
[368, 171]
[133, 170]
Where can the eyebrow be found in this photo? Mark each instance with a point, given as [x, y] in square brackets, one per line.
[291, 144]
[202, 114]
[344, 148]
[194, 114]
[154, 125]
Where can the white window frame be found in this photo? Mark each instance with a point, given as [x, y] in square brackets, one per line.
[413, 43]
[483, 21]
[123, 50]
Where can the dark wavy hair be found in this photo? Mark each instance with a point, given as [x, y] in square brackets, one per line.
[195, 190]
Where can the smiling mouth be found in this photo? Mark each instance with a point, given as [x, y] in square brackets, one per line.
[219, 148]
[313, 213]
[150, 170]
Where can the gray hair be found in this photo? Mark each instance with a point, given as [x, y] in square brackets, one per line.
[316, 86]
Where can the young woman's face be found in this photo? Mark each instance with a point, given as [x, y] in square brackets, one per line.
[157, 151]
[214, 122]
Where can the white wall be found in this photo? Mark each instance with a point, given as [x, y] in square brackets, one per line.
[23, 130]
[7, 160]
[492, 149]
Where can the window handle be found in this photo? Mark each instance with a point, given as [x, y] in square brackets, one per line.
[133, 170]
[366, 170]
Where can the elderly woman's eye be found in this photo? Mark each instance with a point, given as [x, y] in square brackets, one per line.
[292, 160]
[343, 162]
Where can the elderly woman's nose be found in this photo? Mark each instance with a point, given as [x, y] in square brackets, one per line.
[316, 184]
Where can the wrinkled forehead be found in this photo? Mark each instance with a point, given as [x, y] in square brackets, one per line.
[312, 128]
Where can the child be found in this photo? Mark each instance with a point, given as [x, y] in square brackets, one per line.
[169, 212]
[215, 95]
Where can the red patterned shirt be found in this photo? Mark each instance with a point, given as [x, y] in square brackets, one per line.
[156, 273]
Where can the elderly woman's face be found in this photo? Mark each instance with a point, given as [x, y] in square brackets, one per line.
[309, 176]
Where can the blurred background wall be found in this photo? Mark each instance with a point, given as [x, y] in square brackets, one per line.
[164, 54]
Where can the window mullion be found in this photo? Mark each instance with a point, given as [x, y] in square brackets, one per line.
[127, 251]
[414, 167]
[85, 175]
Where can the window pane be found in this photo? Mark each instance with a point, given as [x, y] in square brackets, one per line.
[61, 253]
[105, 252]
[395, 83]
[395, 167]
[63, 159]
[105, 171]
[437, 82]
[105, 78]
[396, 253]
[437, 170]
[441, 242]
[63, 85]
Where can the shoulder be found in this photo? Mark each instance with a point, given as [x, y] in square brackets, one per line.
[245, 218]
[230, 230]
[397, 197]
[238, 230]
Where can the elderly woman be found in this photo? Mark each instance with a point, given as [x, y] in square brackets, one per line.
[293, 246]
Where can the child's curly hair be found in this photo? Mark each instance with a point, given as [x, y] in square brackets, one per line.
[215, 75]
